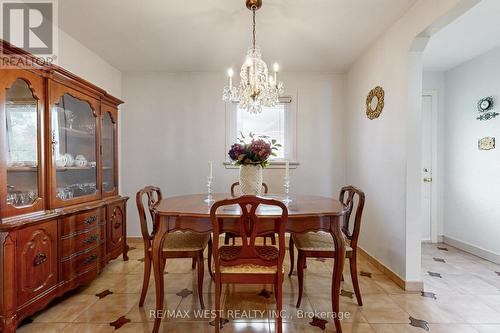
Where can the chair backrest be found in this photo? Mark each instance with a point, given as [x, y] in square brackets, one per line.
[154, 196]
[250, 226]
[234, 185]
[348, 196]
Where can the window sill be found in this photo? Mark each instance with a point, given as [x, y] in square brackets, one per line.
[272, 165]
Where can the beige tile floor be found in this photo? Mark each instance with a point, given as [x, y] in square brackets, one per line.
[467, 300]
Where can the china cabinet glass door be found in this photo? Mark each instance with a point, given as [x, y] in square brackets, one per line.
[74, 149]
[23, 110]
[108, 137]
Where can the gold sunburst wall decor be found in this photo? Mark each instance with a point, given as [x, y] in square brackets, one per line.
[375, 102]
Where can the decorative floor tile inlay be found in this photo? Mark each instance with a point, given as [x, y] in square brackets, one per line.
[318, 322]
[119, 322]
[184, 293]
[428, 294]
[223, 321]
[366, 274]
[419, 323]
[434, 274]
[141, 260]
[132, 248]
[265, 293]
[438, 259]
[321, 259]
[346, 293]
[104, 293]
[442, 248]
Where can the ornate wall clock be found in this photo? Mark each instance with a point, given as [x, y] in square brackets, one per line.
[485, 104]
[375, 103]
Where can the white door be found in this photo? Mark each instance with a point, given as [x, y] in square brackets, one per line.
[427, 139]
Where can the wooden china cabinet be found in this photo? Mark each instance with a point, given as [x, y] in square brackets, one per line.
[62, 218]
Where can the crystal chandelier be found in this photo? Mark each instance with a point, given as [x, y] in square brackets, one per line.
[257, 89]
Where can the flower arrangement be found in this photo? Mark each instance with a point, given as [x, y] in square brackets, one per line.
[256, 152]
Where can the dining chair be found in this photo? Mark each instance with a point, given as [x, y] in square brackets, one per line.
[249, 263]
[320, 244]
[232, 236]
[177, 244]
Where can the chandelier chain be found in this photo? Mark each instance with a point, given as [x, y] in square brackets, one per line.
[253, 32]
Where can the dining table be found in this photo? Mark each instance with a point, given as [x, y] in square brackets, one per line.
[306, 213]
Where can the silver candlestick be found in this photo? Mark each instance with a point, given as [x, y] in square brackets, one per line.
[287, 199]
[210, 197]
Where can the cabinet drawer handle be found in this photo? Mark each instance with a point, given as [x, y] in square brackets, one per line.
[90, 259]
[90, 220]
[117, 225]
[40, 258]
[91, 239]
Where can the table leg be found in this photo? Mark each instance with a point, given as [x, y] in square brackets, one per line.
[158, 267]
[338, 268]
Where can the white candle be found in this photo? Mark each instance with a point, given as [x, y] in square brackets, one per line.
[230, 74]
[276, 68]
[287, 169]
[210, 169]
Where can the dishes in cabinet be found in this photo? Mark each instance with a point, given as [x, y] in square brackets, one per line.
[61, 161]
[80, 161]
[70, 160]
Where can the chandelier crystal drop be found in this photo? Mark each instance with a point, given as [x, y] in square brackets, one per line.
[257, 89]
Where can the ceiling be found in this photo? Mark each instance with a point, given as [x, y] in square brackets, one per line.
[472, 34]
[211, 35]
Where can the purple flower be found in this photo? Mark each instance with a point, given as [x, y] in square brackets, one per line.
[261, 149]
[236, 150]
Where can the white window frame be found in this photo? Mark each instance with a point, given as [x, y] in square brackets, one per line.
[290, 143]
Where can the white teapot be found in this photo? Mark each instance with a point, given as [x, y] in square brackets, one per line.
[80, 161]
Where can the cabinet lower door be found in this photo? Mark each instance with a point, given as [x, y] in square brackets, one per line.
[37, 260]
[116, 229]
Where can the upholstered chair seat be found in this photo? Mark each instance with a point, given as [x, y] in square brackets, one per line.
[185, 241]
[317, 241]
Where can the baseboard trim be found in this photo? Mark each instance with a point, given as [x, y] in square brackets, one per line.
[411, 286]
[475, 250]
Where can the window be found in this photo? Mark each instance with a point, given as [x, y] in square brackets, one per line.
[276, 122]
[22, 130]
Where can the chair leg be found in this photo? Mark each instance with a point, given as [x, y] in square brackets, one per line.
[201, 271]
[292, 255]
[193, 263]
[226, 238]
[279, 301]
[273, 239]
[353, 263]
[210, 257]
[300, 274]
[217, 302]
[145, 281]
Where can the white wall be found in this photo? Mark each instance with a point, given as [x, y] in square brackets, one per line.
[377, 157]
[174, 123]
[78, 59]
[472, 179]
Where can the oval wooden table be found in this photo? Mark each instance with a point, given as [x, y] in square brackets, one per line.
[305, 213]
